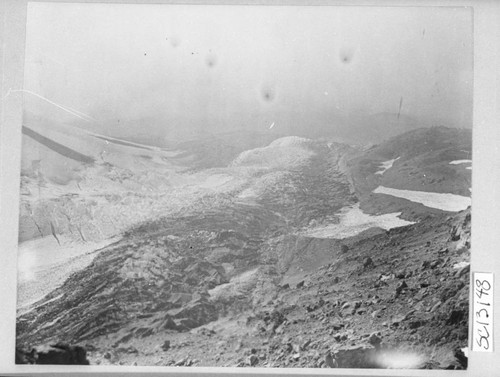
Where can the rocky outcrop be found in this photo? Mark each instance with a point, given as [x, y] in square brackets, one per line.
[59, 353]
[194, 314]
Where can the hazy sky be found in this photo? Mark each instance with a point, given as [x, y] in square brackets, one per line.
[193, 68]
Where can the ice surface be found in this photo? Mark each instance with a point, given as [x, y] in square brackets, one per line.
[43, 264]
[266, 183]
[216, 180]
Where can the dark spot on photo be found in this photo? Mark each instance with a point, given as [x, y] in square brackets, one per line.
[346, 55]
[211, 60]
[268, 94]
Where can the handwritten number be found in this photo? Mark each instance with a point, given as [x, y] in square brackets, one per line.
[484, 337]
[480, 293]
[478, 313]
[480, 284]
[482, 334]
[480, 342]
[487, 333]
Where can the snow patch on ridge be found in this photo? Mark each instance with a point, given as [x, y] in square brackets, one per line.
[352, 221]
[444, 202]
[386, 165]
[457, 162]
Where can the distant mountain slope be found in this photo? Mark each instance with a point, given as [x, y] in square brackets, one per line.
[375, 128]
[419, 160]
[361, 128]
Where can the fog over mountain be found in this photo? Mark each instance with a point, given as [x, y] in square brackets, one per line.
[179, 72]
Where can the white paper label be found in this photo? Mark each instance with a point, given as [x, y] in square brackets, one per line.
[482, 304]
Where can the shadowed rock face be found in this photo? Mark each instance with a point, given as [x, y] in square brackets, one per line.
[59, 353]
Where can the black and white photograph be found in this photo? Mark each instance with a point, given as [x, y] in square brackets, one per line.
[254, 186]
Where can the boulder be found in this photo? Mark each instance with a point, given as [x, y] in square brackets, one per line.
[129, 349]
[375, 340]
[426, 264]
[356, 357]
[166, 345]
[168, 323]
[252, 360]
[23, 357]
[368, 263]
[450, 359]
[400, 287]
[60, 353]
[330, 362]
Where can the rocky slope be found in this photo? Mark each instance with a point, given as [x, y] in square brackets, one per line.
[240, 281]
